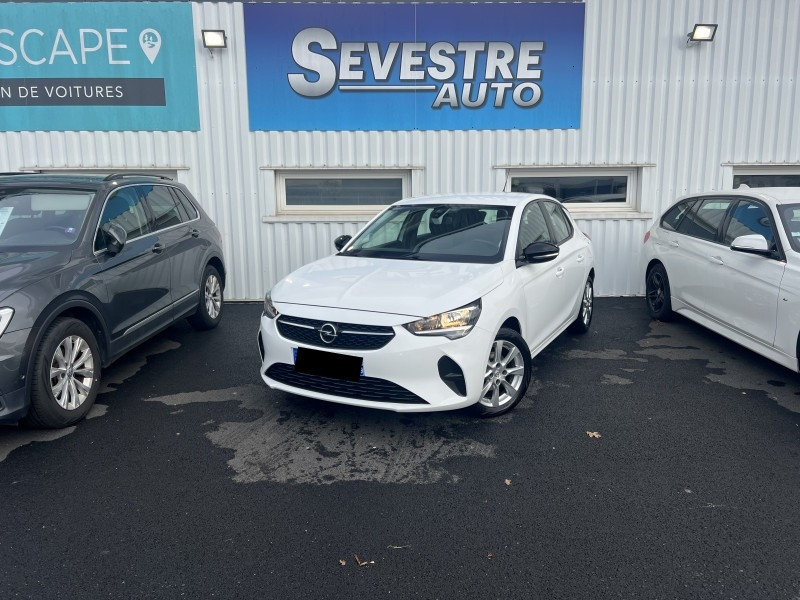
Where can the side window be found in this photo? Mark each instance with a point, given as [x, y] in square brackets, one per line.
[123, 207]
[186, 204]
[162, 206]
[672, 218]
[704, 219]
[562, 228]
[532, 227]
[750, 218]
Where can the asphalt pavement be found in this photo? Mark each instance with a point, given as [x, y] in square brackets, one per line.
[648, 460]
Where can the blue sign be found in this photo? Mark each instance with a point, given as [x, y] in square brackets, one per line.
[414, 66]
[97, 66]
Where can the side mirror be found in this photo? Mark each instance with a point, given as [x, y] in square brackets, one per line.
[115, 237]
[751, 244]
[341, 241]
[539, 252]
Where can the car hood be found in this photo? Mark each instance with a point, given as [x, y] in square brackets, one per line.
[18, 269]
[401, 287]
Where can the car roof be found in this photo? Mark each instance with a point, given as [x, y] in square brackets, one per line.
[77, 181]
[489, 199]
[770, 195]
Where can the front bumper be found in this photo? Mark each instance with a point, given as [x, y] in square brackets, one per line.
[13, 391]
[404, 376]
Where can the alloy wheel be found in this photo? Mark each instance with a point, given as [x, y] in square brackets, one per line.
[213, 296]
[587, 303]
[504, 375]
[655, 290]
[72, 372]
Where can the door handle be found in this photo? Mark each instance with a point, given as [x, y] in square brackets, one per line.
[559, 271]
[716, 260]
[580, 258]
[195, 232]
[674, 243]
[158, 248]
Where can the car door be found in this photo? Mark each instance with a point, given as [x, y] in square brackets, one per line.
[692, 251]
[181, 241]
[743, 289]
[571, 260]
[542, 284]
[137, 279]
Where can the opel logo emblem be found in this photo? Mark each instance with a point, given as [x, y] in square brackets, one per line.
[328, 333]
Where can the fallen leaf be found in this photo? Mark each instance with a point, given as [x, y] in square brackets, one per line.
[508, 482]
[342, 562]
[362, 563]
[593, 434]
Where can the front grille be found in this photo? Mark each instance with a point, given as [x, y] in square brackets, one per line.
[366, 388]
[350, 335]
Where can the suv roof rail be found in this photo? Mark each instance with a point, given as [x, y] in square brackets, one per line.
[129, 174]
[20, 173]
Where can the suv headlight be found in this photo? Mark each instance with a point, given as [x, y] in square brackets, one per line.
[269, 308]
[452, 324]
[5, 318]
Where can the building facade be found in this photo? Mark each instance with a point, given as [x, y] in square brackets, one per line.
[606, 104]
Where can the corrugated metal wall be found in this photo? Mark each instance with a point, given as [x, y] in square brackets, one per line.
[682, 115]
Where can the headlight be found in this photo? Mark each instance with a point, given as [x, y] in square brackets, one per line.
[269, 308]
[5, 318]
[452, 324]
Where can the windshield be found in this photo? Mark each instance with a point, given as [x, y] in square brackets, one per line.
[466, 233]
[42, 217]
[790, 215]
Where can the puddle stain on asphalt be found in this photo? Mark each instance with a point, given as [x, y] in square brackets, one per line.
[607, 354]
[317, 444]
[687, 341]
[133, 362]
[615, 380]
[13, 437]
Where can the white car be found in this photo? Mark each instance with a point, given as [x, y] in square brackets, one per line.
[438, 303]
[731, 262]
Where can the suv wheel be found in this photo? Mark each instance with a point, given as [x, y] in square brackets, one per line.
[209, 306]
[66, 375]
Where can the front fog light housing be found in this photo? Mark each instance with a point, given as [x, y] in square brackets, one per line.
[269, 308]
[452, 324]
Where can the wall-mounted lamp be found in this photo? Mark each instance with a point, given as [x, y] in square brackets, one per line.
[214, 38]
[701, 32]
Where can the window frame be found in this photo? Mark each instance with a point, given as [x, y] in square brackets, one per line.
[792, 170]
[174, 189]
[693, 200]
[734, 200]
[283, 209]
[108, 197]
[631, 202]
[778, 253]
[518, 249]
[570, 229]
[153, 225]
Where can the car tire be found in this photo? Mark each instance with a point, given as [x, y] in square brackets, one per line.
[508, 373]
[584, 319]
[209, 305]
[66, 375]
[657, 293]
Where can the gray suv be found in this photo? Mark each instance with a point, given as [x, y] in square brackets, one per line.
[91, 266]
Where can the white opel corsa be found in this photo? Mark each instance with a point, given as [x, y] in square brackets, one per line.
[731, 262]
[438, 303]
